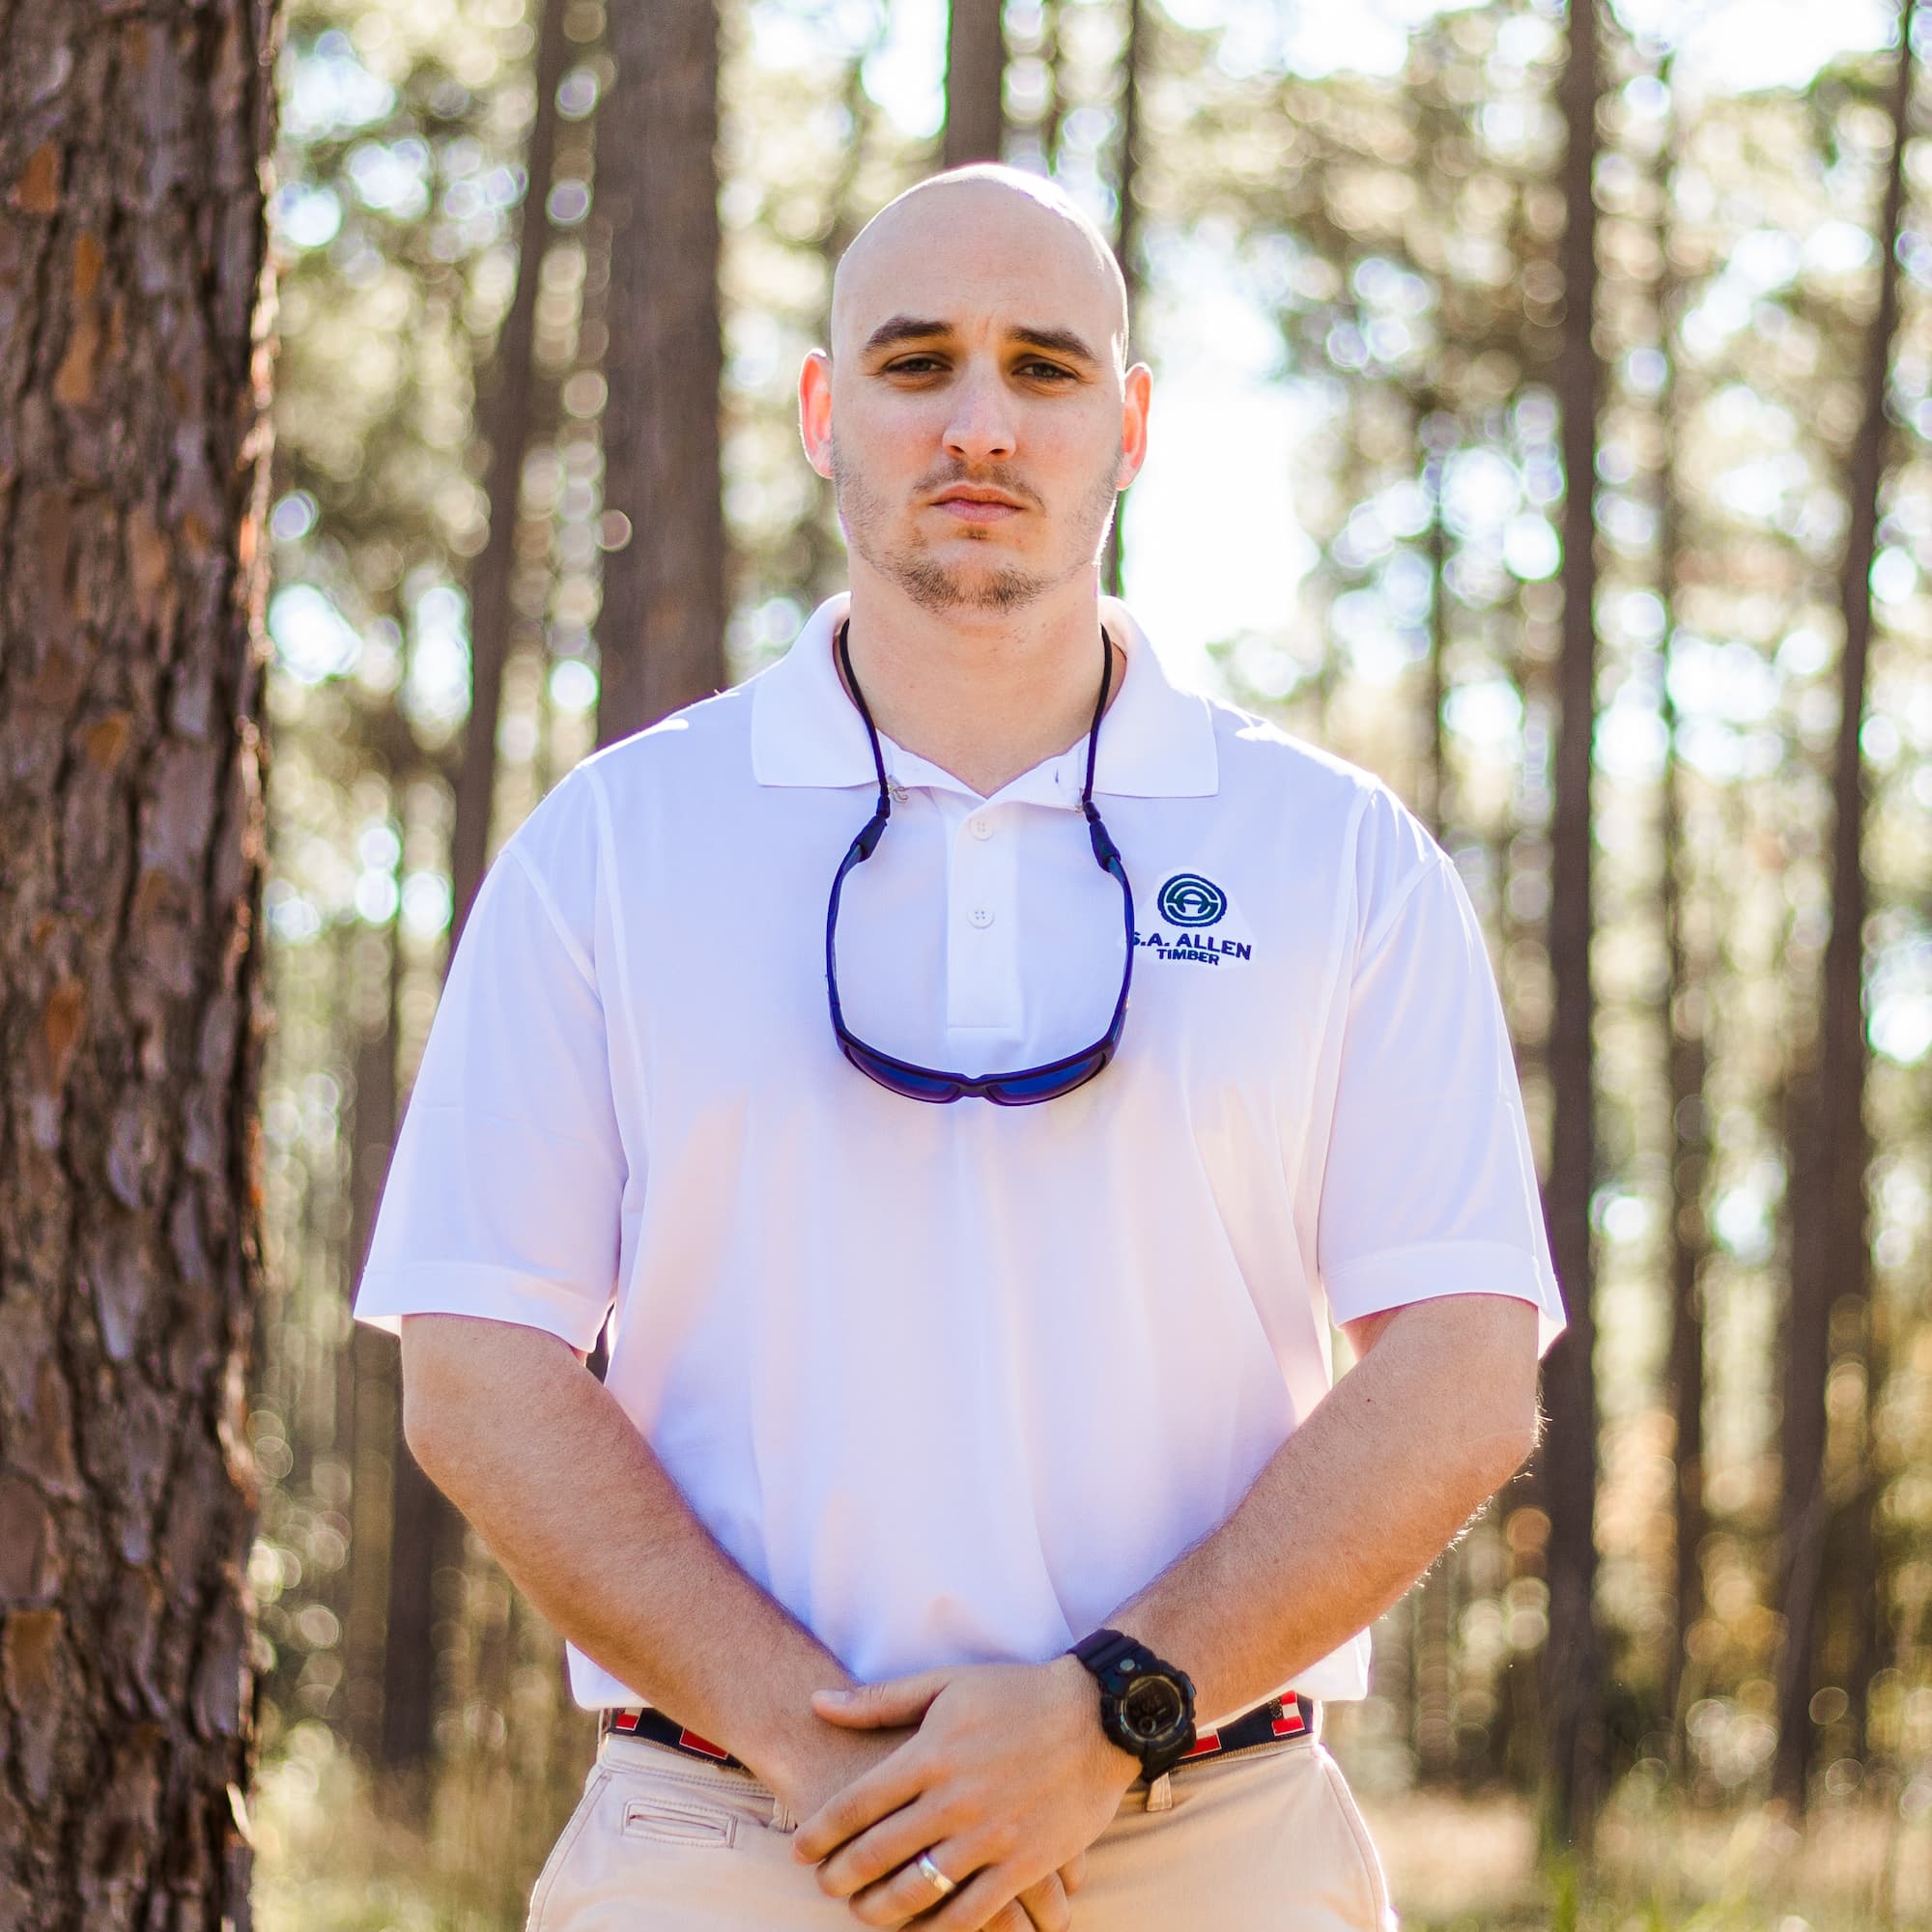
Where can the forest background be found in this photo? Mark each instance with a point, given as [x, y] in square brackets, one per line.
[1543, 397]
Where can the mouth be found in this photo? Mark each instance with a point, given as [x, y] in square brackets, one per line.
[973, 508]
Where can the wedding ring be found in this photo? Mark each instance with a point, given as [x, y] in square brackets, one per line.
[944, 1884]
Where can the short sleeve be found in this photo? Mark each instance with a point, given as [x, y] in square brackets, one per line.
[1430, 1186]
[504, 1193]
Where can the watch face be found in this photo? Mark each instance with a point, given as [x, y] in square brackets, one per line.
[1151, 1707]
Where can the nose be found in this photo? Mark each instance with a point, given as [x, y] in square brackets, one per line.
[980, 426]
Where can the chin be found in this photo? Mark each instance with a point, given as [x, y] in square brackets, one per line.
[939, 586]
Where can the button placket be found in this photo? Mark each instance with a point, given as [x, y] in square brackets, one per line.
[983, 977]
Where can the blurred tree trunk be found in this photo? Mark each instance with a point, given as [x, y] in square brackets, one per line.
[372, 1425]
[1574, 1660]
[661, 635]
[1684, 1017]
[424, 1530]
[976, 75]
[1831, 1270]
[135, 364]
[1053, 51]
[1436, 437]
[825, 558]
[504, 422]
[1126, 234]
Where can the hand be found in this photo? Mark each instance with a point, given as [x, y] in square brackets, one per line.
[1009, 1778]
[836, 1757]
[829, 1759]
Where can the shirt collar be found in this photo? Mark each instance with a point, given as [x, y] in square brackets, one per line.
[1155, 741]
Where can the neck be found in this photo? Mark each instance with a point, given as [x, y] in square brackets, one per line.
[985, 695]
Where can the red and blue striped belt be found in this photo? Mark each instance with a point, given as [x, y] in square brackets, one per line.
[1290, 1715]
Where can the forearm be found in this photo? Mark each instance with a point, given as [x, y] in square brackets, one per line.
[581, 1513]
[1351, 1510]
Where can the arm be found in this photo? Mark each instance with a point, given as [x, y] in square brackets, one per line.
[532, 1448]
[1438, 1411]
[539, 1456]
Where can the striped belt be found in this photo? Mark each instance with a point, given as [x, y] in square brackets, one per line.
[1290, 1715]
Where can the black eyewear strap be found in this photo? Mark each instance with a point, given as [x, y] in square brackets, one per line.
[1030, 1084]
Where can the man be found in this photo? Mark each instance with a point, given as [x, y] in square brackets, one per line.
[970, 1348]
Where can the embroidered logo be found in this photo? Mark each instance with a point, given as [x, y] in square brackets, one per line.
[1189, 899]
[1191, 905]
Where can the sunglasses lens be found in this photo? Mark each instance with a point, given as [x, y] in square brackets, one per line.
[1031, 1087]
[904, 1081]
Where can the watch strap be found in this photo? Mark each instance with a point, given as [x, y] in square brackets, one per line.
[1101, 1649]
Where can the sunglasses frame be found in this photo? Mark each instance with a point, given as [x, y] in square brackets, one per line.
[904, 1077]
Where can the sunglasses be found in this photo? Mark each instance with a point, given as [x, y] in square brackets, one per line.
[1029, 1085]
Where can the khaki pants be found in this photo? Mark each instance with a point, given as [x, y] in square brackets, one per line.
[1265, 1841]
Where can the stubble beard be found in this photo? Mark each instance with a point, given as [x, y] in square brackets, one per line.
[942, 587]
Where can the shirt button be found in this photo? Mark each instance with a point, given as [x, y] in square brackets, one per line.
[980, 915]
[979, 828]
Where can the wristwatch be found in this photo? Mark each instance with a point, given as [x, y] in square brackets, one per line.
[1146, 1707]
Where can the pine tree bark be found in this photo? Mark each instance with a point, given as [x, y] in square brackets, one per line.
[1573, 1660]
[137, 307]
[661, 635]
[976, 79]
[1831, 1261]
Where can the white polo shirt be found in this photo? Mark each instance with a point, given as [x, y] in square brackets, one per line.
[953, 1382]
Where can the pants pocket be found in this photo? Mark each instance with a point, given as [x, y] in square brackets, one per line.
[559, 1853]
[1382, 1914]
[678, 1819]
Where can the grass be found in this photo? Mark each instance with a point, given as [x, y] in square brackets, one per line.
[1465, 1864]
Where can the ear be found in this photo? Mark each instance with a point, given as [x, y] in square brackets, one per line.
[1136, 400]
[814, 410]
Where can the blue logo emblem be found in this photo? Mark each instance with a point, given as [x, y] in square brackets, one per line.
[1188, 899]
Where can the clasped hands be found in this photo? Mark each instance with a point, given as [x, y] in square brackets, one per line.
[1007, 1780]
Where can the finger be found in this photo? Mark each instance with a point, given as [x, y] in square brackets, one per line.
[870, 1707]
[894, 1781]
[1074, 1873]
[1046, 1904]
[907, 1892]
[875, 1854]
[986, 1900]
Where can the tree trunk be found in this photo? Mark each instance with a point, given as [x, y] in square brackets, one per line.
[373, 1421]
[505, 424]
[1573, 1662]
[1053, 51]
[1685, 1016]
[1126, 230]
[135, 360]
[1830, 1257]
[1436, 435]
[423, 1529]
[976, 76]
[661, 636]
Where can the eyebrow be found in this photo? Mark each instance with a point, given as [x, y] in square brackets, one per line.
[919, 329]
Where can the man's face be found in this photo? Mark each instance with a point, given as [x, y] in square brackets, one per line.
[976, 346]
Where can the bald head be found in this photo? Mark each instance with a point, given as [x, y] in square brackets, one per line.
[948, 236]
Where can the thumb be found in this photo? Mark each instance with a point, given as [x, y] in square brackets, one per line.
[869, 1707]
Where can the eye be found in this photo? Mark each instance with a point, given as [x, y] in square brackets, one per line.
[1052, 369]
[904, 366]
